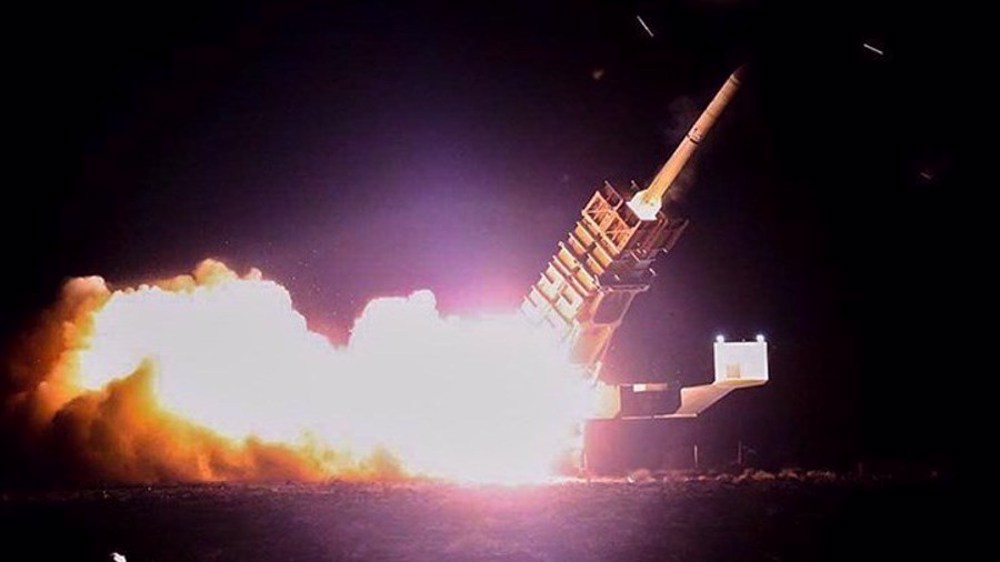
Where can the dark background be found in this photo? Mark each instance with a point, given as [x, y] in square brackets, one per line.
[352, 150]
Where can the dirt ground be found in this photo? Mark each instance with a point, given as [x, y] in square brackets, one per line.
[610, 520]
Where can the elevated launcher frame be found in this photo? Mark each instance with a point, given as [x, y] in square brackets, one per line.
[589, 284]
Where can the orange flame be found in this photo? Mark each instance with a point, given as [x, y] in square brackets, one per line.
[214, 376]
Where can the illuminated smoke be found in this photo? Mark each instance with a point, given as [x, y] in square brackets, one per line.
[214, 376]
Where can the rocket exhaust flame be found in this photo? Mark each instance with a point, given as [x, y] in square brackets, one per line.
[215, 376]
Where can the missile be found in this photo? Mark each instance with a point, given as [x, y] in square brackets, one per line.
[647, 203]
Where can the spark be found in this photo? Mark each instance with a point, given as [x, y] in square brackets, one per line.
[115, 557]
[875, 50]
[644, 26]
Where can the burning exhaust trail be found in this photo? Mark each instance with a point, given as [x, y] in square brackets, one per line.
[214, 376]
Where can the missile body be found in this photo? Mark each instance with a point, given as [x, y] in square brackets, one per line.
[647, 202]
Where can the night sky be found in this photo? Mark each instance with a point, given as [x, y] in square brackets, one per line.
[351, 150]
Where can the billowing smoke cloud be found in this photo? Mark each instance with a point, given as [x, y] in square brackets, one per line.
[213, 376]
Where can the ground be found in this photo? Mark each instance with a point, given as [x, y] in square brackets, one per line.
[691, 520]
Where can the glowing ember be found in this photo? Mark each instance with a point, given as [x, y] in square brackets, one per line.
[485, 399]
